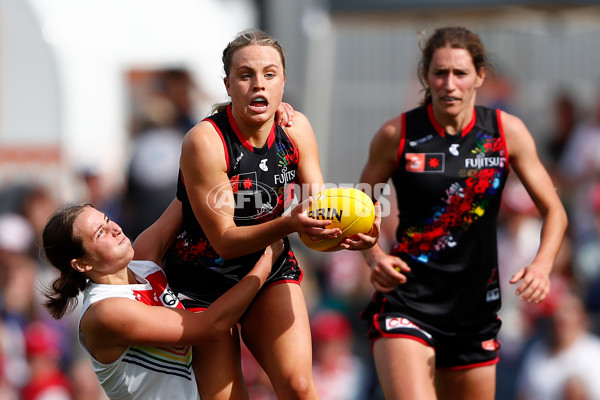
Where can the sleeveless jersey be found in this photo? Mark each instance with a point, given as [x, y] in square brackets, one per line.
[262, 180]
[144, 372]
[448, 192]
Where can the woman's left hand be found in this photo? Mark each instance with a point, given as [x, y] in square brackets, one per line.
[361, 241]
[284, 115]
[535, 283]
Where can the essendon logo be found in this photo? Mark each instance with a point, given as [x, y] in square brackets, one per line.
[425, 162]
[243, 182]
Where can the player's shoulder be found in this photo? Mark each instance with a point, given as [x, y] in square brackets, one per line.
[203, 134]
[301, 128]
[298, 120]
[392, 128]
[510, 122]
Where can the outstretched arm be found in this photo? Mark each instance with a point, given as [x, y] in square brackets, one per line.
[107, 333]
[386, 271]
[153, 243]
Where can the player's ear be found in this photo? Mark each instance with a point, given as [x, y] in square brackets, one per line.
[80, 266]
[480, 77]
[226, 83]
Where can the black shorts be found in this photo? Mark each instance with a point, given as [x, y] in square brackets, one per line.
[468, 346]
[199, 280]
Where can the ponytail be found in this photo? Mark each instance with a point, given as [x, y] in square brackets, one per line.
[61, 296]
[60, 247]
[218, 107]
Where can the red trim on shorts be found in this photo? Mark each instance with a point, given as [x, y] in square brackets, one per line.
[402, 336]
[222, 140]
[469, 366]
[398, 336]
[287, 281]
[283, 281]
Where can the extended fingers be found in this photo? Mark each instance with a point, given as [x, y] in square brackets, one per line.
[534, 287]
[389, 275]
[359, 241]
[285, 114]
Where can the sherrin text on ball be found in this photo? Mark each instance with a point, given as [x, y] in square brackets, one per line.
[348, 209]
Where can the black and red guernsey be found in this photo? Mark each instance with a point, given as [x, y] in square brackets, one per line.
[262, 181]
[448, 191]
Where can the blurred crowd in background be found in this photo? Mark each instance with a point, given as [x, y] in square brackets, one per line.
[549, 351]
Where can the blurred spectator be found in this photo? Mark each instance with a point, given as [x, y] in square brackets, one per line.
[579, 169]
[565, 360]
[153, 168]
[339, 373]
[177, 85]
[18, 269]
[581, 159]
[34, 202]
[518, 240]
[37, 204]
[31, 356]
[13, 364]
[497, 91]
[519, 232]
[575, 389]
[97, 193]
[257, 380]
[587, 263]
[344, 278]
[46, 379]
[565, 120]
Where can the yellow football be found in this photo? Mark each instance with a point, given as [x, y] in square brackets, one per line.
[348, 209]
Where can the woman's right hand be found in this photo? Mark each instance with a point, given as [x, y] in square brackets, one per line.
[275, 250]
[315, 228]
[268, 258]
[387, 271]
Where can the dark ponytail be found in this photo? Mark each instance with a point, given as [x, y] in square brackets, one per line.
[60, 247]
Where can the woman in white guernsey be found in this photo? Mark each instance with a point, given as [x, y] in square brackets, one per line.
[136, 331]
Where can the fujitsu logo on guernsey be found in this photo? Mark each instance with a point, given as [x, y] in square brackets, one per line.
[285, 176]
[484, 162]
